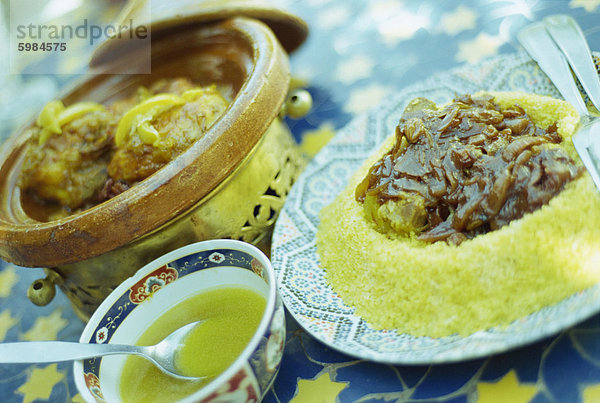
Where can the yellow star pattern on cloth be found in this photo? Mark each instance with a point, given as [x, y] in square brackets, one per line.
[355, 68]
[333, 16]
[8, 278]
[6, 322]
[46, 327]
[314, 140]
[482, 46]
[77, 399]
[321, 389]
[588, 5]
[461, 19]
[591, 394]
[364, 98]
[506, 389]
[40, 383]
[395, 22]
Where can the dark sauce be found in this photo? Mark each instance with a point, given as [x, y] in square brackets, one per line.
[462, 170]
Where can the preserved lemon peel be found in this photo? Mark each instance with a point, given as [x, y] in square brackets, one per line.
[48, 117]
[138, 118]
[147, 133]
[78, 110]
[194, 93]
[54, 115]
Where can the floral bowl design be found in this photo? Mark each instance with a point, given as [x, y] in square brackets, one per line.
[125, 314]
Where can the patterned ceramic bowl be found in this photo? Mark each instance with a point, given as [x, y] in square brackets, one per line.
[157, 287]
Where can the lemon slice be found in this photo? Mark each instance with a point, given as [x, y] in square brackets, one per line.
[54, 115]
[147, 133]
[194, 93]
[48, 120]
[78, 110]
[137, 119]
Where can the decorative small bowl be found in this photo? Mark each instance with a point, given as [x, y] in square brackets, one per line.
[231, 183]
[129, 310]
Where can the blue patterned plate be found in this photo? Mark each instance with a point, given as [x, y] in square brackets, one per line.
[301, 280]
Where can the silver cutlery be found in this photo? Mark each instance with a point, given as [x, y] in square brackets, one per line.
[163, 354]
[559, 47]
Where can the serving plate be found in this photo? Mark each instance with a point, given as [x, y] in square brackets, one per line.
[301, 279]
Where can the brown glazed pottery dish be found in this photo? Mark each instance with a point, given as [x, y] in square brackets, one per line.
[230, 183]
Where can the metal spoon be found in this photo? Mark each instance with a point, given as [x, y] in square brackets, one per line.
[162, 354]
[558, 45]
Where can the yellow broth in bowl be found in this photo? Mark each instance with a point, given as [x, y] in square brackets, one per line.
[231, 316]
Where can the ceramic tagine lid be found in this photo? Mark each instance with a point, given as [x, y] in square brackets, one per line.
[165, 16]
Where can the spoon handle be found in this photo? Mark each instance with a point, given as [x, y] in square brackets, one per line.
[56, 351]
[541, 47]
[570, 39]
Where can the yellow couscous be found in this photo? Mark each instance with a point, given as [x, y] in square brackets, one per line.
[438, 289]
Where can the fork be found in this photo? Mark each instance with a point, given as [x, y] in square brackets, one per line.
[559, 46]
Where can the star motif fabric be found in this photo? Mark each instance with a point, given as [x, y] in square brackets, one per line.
[395, 22]
[46, 327]
[591, 394]
[482, 46]
[506, 389]
[588, 5]
[333, 16]
[40, 383]
[8, 278]
[7, 321]
[314, 140]
[365, 98]
[321, 389]
[354, 68]
[461, 19]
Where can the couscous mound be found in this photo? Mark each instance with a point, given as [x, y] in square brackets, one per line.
[439, 289]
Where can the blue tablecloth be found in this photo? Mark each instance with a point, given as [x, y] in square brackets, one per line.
[357, 54]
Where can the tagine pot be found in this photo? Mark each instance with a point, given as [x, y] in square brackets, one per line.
[229, 184]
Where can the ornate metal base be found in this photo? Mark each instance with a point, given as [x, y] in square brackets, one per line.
[244, 206]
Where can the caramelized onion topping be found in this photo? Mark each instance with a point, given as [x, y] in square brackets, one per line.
[462, 170]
